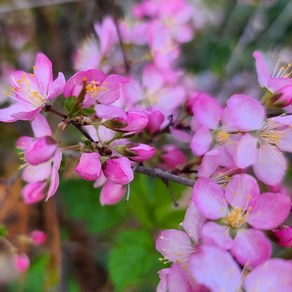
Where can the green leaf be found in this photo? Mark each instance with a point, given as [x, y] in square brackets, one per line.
[133, 260]
[3, 230]
[151, 203]
[69, 103]
[81, 201]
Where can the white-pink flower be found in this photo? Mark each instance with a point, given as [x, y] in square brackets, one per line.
[32, 91]
[240, 210]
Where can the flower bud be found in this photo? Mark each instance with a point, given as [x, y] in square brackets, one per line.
[172, 157]
[155, 120]
[33, 192]
[111, 193]
[284, 235]
[136, 122]
[138, 151]
[118, 170]
[89, 166]
[41, 150]
[38, 237]
[21, 262]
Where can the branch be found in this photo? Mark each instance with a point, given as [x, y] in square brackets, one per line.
[126, 63]
[164, 175]
[50, 109]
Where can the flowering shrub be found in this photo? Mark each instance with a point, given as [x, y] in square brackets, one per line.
[137, 112]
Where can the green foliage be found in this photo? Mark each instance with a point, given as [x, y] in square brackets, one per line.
[133, 260]
[81, 201]
[152, 205]
[3, 230]
[69, 103]
[35, 277]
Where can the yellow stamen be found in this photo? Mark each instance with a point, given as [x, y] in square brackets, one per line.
[221, 136]
[235, 218]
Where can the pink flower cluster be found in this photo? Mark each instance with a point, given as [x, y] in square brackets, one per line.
[154, 113]
[224, 231]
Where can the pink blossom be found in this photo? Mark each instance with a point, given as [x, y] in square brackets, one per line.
[109, 112]
[41, 148]
[44, 173]
[99, 88]
[107, 34]
[89, 166]
[22, 262]
[283, 235]
[217, 270]
[175, 279]
[38, 237]
[174, 16]
[262, 145]
[155, 120]
[272, 275]
[279, 83]
[111, 193]
[163, 49]
[241, 203]
[33, 192]
[32, 91]
[139, 152]
[207, 113]
[87, 55]
[172, 157]
[118, 170]
[37, 150]
[176, 245]
[136, 122]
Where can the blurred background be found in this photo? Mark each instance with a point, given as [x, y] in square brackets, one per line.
[95, 248]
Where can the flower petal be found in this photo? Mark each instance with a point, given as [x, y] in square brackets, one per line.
[262, 69]
[37, 173]
[175, 245]
[251, 248]
[215, 268]
[244, 113]
[207, 111]
[242, 191]
[89, 166]
[111, 193]
[57, 86]
[269, 211]
[215, 234]
[271, 165]
[284, 235]
[209, 198]
[272, 275]
[40, 127]
[193, 222]
[246, 151]
[43, 72]
[201, 141]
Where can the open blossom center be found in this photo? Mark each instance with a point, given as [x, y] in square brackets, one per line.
[285, 71]
[221, 136]
[271, 136]
[235, 218]
[93, 87]
[23, 85]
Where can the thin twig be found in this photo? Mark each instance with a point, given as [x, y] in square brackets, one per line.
[49, 108]
[165, 175]
[126, 63]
